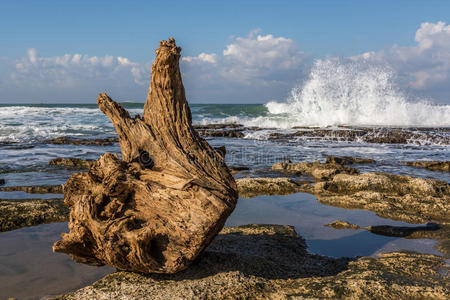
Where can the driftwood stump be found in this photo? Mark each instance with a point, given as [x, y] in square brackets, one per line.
[163, 203]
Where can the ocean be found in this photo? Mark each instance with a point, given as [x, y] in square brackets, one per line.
[269, 136]
[389, 132]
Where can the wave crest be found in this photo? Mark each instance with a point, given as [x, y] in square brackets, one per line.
[356, 93]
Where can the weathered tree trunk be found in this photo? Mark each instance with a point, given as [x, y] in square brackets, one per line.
[162, 204]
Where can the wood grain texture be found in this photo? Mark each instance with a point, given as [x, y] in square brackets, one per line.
[158, 207]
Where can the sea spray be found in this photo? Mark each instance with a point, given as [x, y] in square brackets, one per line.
[354, 93]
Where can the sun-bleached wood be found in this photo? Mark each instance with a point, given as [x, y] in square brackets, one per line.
[159, 206]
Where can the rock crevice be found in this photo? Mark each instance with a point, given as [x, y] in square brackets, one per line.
[163, 203]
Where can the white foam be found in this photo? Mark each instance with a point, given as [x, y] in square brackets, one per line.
[27, 123]
[352, 93]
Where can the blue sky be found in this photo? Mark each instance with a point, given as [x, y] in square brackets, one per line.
[131, 30]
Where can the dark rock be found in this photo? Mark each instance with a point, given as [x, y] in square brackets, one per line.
[20, 213]
[252, 187]
[404, 198]
[20, 147]
[71, 162]
[337, 224]
[230, 133]
[347, 160]
[236, 169]
[401, 231]
[76, 141]
[320, 171]
[443, 166]
[222, 150]
[35, 189]
[438, 232]
[271, 262]
[387, 230]
[369, 135]
[2, 181]
[218, 126]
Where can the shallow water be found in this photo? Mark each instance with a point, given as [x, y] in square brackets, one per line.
[29, 269]
[303, 211]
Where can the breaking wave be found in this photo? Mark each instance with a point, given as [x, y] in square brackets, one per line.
[352, 93]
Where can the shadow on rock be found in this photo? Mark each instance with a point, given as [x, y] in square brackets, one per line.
[268, 251]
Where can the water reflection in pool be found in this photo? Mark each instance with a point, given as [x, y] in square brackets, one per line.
[309, 217]
[30, 270]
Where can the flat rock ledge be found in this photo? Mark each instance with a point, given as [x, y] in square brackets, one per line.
[34, 189]
[66, 140]
[252, 187]
[403, 198]
[271, 262]
[20, 213]
[71, 162]
[318, 170]
[443, 166]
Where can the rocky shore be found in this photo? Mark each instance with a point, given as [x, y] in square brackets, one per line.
[20, 213]
[271, 262]
[443, 166]
[252, 187]
[397, 197]
[77, 141]
[438, 232]
[34, 189]
[404, 198]
[71, 162]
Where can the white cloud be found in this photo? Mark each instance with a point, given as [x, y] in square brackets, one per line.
[71, 77]
[202, 57]
[425, 65]
[257, 67]
[253, 68]
[72, 70]
[263, 58]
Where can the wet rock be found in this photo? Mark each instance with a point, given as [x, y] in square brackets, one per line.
[88, 142]
[34, 189]
[348, 160]
[443, 166]
[237, 169]
[218, 126]
[252, 187]
[404, 198]
[338, 224]
[271, 262]
[221, 150]
[20, 213]
[387, 230]
[71, 162]
[388, 137]
[318, 170]
[229, 133]
[330, 134]
[420, 136]
[23, 147]
[401, 231]
[438, 232]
